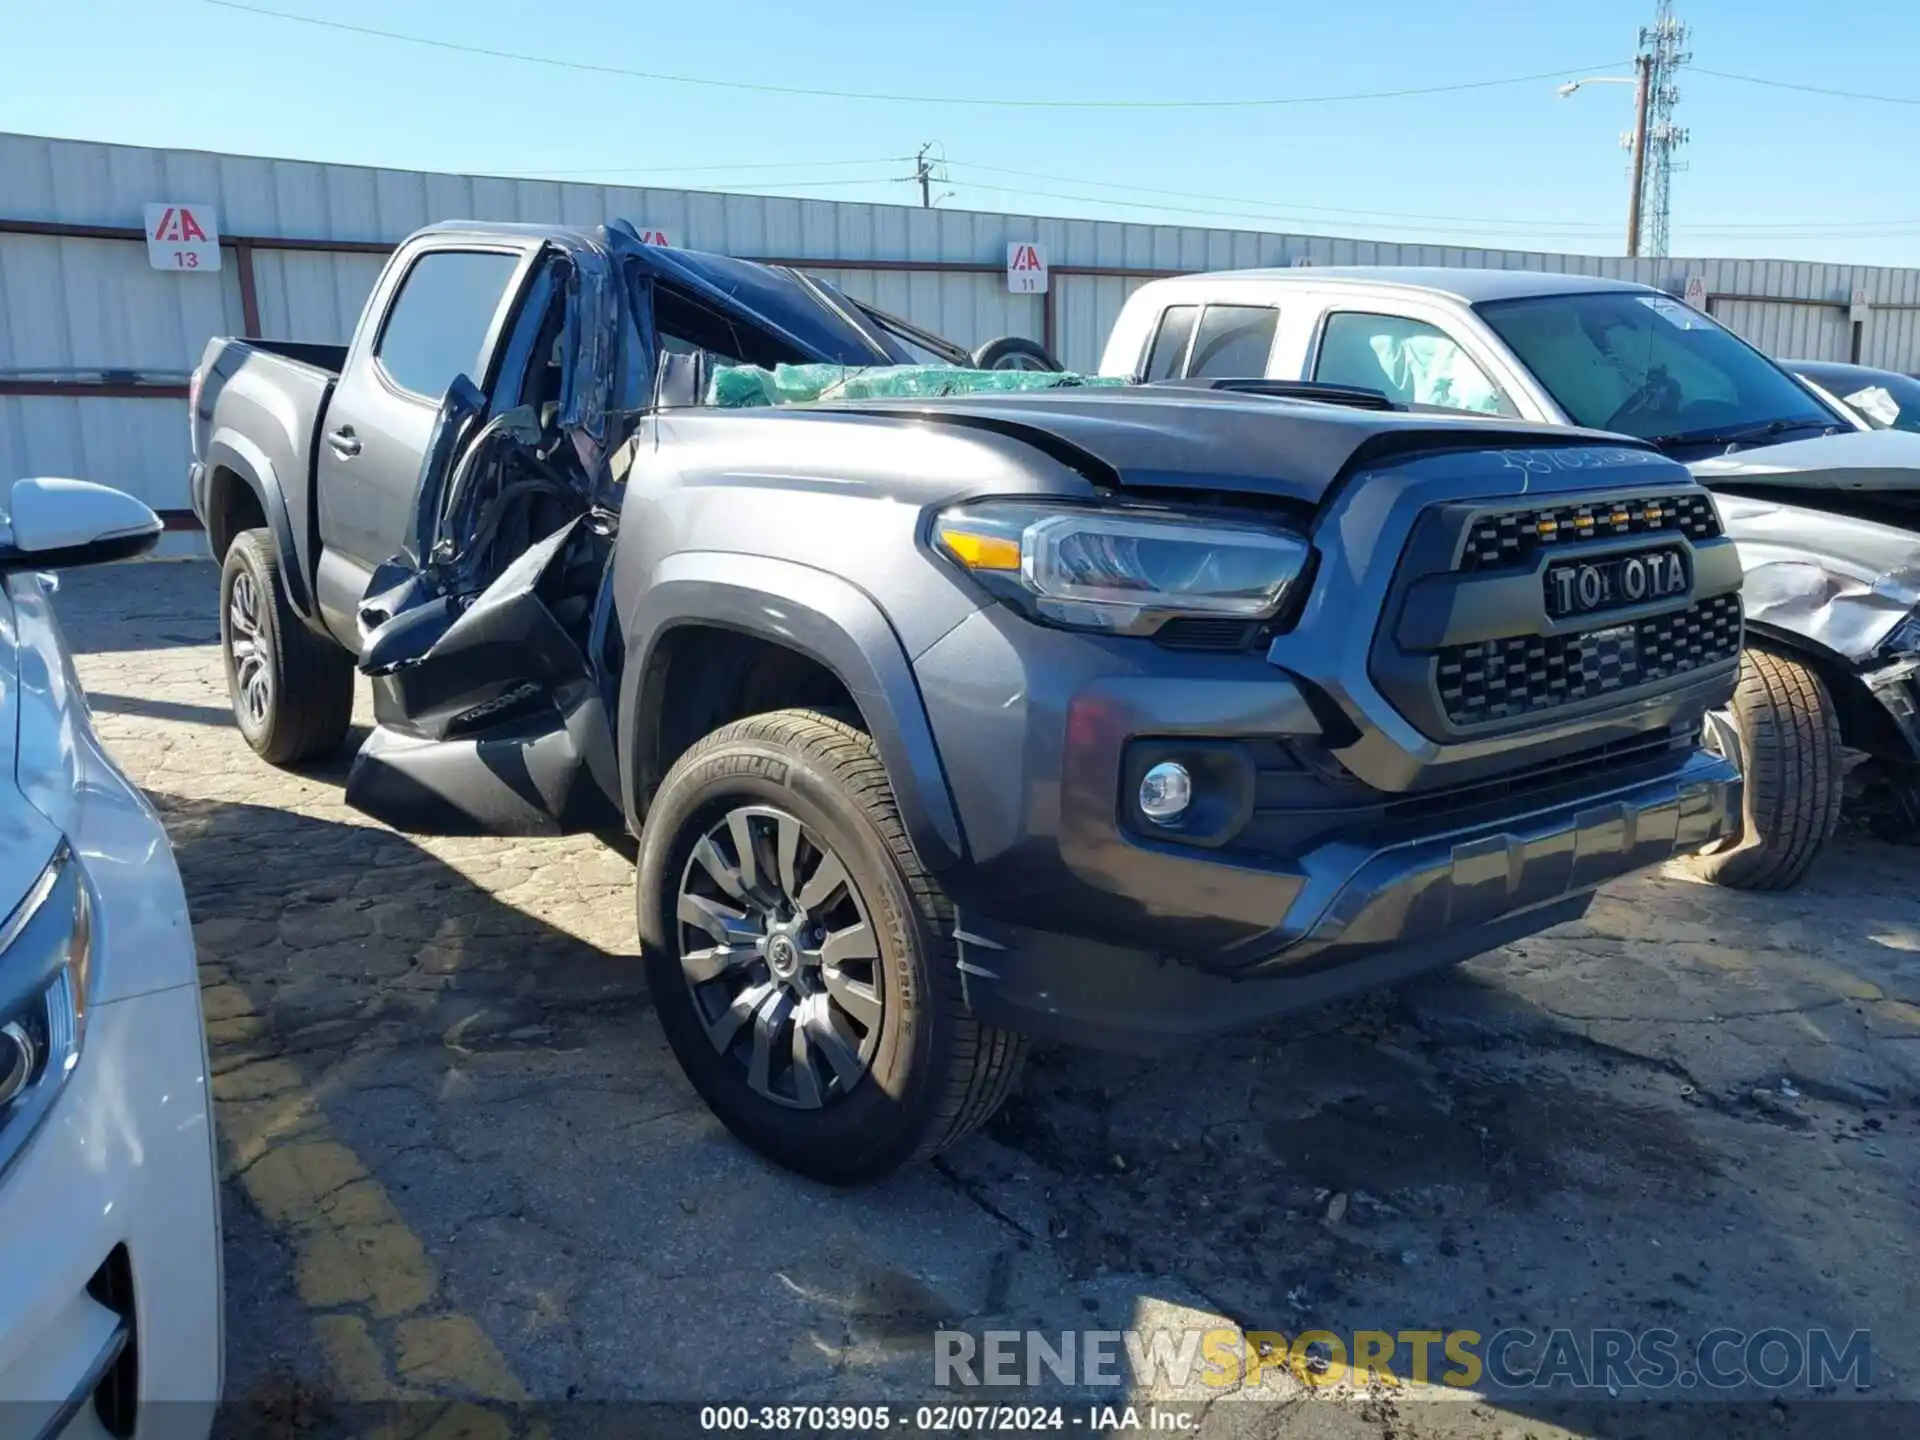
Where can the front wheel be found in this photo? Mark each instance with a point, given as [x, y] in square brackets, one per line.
[801, 962]
[1784, 733]
[291, 690]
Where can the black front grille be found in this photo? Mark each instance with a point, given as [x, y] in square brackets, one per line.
[1513, 537]
[1525, 674]
[1298, 798]
[1615, 762]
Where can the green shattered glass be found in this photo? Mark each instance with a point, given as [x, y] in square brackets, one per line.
[741, 386]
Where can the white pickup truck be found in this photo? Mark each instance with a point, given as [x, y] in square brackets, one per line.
[1823, 509]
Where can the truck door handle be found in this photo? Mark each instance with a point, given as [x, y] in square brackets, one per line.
[344, 442]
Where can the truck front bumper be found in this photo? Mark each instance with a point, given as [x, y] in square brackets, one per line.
[1361, 920]
[1080, 921]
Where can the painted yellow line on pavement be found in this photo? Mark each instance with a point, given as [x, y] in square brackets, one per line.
[379, 1316]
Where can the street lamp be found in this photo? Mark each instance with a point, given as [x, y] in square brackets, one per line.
[1573, 85]
[1643, 68]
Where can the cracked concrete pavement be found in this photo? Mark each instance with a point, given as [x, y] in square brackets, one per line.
[460, 1162]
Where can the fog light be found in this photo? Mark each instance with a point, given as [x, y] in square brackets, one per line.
[1165, 792]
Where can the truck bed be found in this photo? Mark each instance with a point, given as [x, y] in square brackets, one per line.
[330, 358]
[268, 399]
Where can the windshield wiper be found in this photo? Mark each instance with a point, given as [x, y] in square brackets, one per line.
[1744, 434]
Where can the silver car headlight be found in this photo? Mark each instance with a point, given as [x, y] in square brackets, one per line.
[45, 958]
[1122, 571]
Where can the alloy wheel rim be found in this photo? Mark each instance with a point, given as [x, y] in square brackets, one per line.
[248, 652]
[780, 957]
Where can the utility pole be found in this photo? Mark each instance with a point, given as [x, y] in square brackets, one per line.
[923, 172]
[1663, 53]
[1643, 69]
[926, 170]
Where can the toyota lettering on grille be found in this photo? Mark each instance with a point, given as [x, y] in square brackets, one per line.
[1615, 581]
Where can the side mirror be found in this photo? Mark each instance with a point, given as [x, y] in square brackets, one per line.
[57, 524]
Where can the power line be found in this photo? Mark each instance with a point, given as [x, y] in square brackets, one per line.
[1807, 89]
[1765, 229]
[1503, 232]
[1503, 228]
[998, 102]
[724, 187]
[1281, 206]
[1283, 210]
[700, 169]
[1788, 230]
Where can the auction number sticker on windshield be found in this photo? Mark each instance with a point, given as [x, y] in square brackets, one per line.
[1672, 311]
[1876, 402]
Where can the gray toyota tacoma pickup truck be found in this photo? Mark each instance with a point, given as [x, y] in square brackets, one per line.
[1112, 716]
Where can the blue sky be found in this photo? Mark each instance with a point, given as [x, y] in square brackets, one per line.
[1772, 172]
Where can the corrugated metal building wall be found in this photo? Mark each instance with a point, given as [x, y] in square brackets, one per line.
[95, 345]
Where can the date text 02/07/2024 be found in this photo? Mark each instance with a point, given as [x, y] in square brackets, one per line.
[943, 1419]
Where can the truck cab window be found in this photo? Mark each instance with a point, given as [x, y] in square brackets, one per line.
[437, 327]
[685, 325]
[1408, 360]
[1170, 342]
[1233, 341]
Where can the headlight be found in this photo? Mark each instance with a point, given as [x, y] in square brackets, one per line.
[1122, 571]
[45, 951]
[1904, 639]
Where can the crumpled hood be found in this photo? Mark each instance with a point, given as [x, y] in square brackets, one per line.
[27, 838]
[1152, 436]
[1855, 460]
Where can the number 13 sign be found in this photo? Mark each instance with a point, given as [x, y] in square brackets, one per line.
[182, 237]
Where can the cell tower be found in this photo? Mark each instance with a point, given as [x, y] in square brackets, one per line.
[1663, 43]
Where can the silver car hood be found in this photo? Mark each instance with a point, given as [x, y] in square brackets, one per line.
[27, 838]
[1856, 460]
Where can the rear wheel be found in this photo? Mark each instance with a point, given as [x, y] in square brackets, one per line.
[801, 962]
[1014, 352]
[291, 690]
[1783, 731]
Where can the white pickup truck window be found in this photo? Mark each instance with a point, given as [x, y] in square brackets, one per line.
[1411, 361]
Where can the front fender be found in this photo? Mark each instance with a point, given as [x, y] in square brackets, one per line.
[1835, 583]
[832, 622]
[228, 449]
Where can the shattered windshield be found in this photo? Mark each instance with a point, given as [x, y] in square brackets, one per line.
[1646, 365]
[737, 387]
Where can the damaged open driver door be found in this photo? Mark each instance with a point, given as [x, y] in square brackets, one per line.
[489, 718]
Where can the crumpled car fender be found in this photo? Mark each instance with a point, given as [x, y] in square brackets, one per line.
[1838, 583]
